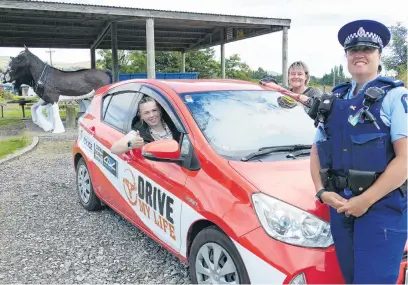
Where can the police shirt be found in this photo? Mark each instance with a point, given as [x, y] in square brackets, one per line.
[394, 112]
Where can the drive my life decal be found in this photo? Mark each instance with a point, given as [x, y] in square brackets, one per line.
[150, 201]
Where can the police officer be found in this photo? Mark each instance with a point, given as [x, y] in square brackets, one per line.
[359, 160]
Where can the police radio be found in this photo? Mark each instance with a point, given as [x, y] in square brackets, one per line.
[321, 107]
[372, 95]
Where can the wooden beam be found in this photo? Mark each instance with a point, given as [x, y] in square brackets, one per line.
[114, 47]
[285, 56]
[207, 36]
[247, 36]
[103, 32]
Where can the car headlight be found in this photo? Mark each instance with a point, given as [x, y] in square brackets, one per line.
[290, 224]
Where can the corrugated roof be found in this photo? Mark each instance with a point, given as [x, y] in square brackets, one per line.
[50, 24]
[157, 10]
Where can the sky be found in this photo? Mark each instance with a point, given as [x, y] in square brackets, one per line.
[312, 35]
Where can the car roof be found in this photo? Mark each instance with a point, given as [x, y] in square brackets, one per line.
[202, 85]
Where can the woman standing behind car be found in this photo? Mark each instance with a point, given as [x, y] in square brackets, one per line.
[299, 77]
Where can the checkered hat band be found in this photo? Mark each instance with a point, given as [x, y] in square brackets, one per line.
[368, 36]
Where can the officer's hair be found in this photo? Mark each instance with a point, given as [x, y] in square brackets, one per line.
[302, 65]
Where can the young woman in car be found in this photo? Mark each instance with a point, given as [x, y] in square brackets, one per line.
[150, 125]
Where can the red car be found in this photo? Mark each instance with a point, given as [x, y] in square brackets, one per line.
[403, 276]
[233, 197]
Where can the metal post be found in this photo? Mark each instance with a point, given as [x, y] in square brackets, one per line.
[151, 63]
[50, 52]
[114, 44]
[222, 53]
[93, 65]
[183, 61]
[285, 56]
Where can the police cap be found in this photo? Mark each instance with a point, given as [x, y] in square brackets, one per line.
[364, 33]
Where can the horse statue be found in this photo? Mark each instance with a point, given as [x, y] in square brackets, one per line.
[24, 76]
[53, 85]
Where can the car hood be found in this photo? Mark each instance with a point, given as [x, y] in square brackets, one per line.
[289, 181]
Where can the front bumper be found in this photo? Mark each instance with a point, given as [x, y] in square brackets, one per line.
[269, 261]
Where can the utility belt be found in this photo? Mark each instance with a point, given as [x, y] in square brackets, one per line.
[357, 181]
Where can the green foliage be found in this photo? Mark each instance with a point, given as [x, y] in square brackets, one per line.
[235, 68]
[17, 97]
[395, 57]
[335, 76]
[5, 95]
[203, 62]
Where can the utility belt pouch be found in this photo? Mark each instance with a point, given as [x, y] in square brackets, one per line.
[327, 180]
[359, 181]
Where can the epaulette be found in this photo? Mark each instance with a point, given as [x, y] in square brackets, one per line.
[391, 81]
[341, 86]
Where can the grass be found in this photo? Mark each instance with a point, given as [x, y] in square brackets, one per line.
[5, 122]
[12, 144]
[14, 111]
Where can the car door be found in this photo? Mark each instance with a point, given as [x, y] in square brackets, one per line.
[160, 185]
[117, 110]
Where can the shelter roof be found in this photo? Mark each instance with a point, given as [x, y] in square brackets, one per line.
[64, 25]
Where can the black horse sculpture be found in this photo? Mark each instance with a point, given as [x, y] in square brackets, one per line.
[53, 85]
[26, 79]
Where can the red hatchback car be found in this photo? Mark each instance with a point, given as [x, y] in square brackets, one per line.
[232, 196]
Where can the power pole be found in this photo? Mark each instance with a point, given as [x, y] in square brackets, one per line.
[50, 52]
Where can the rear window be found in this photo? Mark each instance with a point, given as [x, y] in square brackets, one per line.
[118, 109]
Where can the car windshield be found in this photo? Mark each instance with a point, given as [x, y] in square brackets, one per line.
[237, 123]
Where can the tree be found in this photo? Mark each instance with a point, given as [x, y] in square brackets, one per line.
[396, 57]
[259, 74]
[203, 62]
[236, 69]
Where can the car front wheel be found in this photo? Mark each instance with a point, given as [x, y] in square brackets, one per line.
[86, 193]
[214, 259]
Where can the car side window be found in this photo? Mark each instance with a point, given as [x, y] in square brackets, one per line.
[119, 109]
[105, 104]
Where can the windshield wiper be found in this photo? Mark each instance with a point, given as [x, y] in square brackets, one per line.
[299, 153]
[273, 149]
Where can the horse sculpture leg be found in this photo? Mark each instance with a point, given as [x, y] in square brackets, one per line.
[34, 110]
[58, 126]
[42, 120]
[50, 116]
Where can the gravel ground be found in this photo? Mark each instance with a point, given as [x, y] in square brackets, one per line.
[47, 237]
[11, 130]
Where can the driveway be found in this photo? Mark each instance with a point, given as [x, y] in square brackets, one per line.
[47, 237]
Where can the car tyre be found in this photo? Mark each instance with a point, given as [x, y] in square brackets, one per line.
[208, 244]
[85, 189]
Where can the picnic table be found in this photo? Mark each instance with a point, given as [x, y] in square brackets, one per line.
[22, 103]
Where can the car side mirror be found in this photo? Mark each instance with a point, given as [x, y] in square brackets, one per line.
[167, 150]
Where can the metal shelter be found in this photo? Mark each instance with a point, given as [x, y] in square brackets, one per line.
[63, 25]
